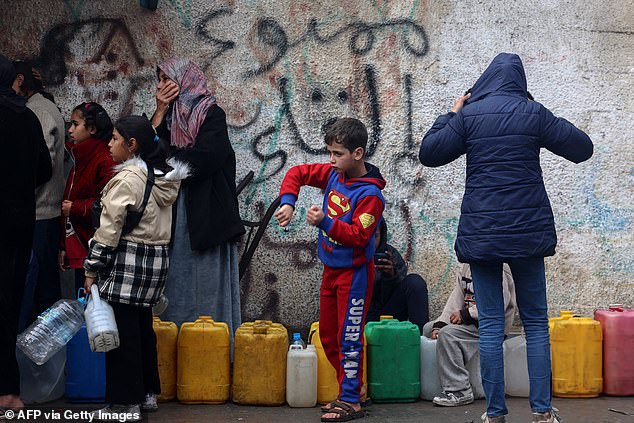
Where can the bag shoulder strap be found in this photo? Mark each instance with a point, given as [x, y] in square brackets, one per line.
[133, 218]
[149, 183]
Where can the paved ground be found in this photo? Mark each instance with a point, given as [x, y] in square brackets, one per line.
[596, 410]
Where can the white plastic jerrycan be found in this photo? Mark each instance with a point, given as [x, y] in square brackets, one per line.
[429, 378]
[301, 376]
[516, 381]
[101, 326]
[430, 385]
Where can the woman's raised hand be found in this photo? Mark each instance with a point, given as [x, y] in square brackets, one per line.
[166, 94]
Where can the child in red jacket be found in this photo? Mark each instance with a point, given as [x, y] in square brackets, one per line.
[90, 131]
[347, 221]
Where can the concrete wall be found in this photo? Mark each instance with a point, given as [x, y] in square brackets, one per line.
[282, 68]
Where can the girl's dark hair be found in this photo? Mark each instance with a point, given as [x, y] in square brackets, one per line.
[96, 116]
[152, 149]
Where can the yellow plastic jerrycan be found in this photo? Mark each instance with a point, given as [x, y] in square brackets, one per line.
[259, 363]
[577, 357]
[204, 362]
[327, 384]
[563, 315]
[166, 341]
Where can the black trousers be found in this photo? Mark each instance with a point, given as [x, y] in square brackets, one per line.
[15, 251]
[409, 301]
[132, 369]
[43, 286]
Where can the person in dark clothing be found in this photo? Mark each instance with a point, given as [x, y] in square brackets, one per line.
[396, 293]
[43, 286]
[203, 277]
[27, 165]
[506, 215]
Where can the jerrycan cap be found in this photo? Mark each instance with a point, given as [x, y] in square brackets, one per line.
[566, 313]
[386, 317]
[616, 307]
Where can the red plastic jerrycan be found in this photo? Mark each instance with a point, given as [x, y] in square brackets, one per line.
[617, 324]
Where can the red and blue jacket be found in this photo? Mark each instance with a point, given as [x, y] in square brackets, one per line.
[352, 207]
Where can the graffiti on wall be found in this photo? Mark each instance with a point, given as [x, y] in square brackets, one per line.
[284, 76]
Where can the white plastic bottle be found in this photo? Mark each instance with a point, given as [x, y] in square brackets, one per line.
[429, 378]
[516, 381]
[297, 340]
[52, 330]
[301, 376]
[101, 326]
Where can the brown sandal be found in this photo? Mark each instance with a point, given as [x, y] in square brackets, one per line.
[326, 408]
[365, 402]
[344, 411]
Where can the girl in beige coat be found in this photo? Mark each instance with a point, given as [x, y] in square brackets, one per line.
[129, 262]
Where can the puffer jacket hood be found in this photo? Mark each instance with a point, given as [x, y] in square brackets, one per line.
[125, 191]
[166, 185]
[505, 212]
[505, 74]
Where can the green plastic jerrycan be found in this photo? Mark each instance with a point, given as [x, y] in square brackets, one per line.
[393, 360]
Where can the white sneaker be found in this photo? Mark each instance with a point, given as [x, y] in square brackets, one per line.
[117, 413]
[453, 399]
[487, 419]
[547, 417]
[149, 404]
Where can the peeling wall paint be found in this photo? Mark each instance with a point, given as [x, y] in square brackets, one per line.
[282, 69]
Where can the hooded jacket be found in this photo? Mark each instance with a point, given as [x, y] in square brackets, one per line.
[352, 210]
[91, 171]
[125, 192]
[463, 299]
[384, 284]
[505, 213]
[132, 269]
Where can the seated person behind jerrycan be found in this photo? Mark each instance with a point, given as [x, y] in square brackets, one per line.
[395, 292]
[457, 332]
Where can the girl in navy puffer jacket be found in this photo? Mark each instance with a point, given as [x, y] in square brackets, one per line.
[505, 214]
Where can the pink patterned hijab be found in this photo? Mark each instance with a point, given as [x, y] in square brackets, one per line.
[189, 110]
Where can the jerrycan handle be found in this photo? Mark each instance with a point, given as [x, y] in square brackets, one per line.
[260, 329]
[94, 293]
[310, 335]
[616, 307]
[81, 296]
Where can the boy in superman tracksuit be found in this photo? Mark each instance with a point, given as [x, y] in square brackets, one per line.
[350, 215]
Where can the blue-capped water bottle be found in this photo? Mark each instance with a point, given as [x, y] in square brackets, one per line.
[51, 330]
[297, 340]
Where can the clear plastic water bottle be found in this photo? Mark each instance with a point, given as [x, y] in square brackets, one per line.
[297, 340]
[52, 330]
